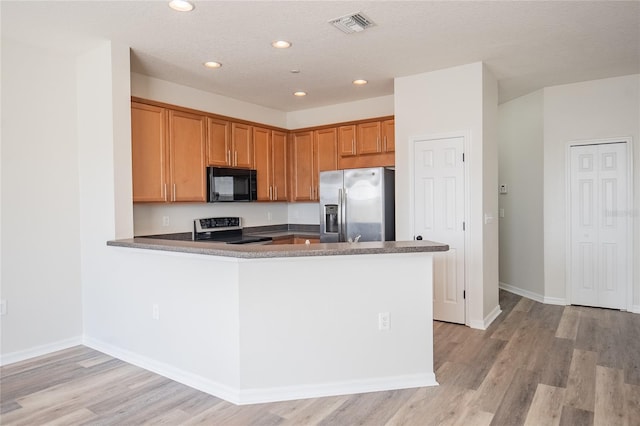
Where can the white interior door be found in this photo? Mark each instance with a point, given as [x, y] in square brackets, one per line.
[599, 225]
[439, 216]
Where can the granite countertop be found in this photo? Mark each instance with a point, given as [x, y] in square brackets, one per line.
[251, 251]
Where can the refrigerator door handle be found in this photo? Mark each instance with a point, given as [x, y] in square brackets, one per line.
[343, 212]
[340, 222]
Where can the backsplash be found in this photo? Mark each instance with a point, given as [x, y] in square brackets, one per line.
[149, 219]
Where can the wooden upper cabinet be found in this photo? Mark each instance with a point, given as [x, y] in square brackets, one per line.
[218, 142]
[326, 142]
[389, 136]
[263, 162]
[347, 140]
[187, 139]
[242, 146]
[279, 165]
[149, 152]
[302, 167]
[168, 154]
[368, 139]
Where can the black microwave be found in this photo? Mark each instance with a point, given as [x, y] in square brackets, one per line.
[224, 184]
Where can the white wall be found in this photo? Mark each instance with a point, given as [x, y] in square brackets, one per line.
[348, 111]
[589, 110]
[520, 162]
[445, 102]
[40, 218]
[151, 88]
[148, 217]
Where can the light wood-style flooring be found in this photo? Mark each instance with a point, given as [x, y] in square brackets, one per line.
[536, 365]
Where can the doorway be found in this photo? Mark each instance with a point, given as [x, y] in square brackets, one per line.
[439, 215]
[599, 246]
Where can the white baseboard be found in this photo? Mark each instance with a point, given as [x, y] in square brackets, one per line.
[25, 354]
[289, 393]
[555, 301]
[186, 378]
[521, 292]
[486, 322]
[533, 296]
[257, 396]
[635, 309]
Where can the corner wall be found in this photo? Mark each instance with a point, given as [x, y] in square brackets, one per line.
[520, 160]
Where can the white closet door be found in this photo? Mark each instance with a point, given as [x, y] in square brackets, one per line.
[599, 225]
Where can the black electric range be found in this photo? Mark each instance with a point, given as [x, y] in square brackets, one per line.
[224, 230]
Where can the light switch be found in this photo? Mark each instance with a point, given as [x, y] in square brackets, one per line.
[501, 212]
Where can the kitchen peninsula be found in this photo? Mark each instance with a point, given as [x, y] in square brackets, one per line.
[263, 323]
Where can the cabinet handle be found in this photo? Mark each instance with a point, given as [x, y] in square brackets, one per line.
[276, 197]
[378, 143]
[270, 193]
[164, 192]
[311, 193]
[174, 192]
[229, 157]
[385, 144]
[235, 158]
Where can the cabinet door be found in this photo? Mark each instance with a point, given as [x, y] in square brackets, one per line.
[389, 135]
[368, 141]
[187, 138]
[347, 140]
[242, 151]
[263, 163]
[218, 142]
[279, 165]
[326, 150]
[302, 182]
[149, 152]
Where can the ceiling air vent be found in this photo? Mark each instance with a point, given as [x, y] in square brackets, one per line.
[352, 23]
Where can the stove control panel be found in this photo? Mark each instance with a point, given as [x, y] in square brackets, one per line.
[217, 224]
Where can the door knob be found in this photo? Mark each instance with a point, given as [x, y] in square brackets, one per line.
[419, 238]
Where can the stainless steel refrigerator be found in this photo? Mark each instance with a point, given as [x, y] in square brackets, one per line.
[357, 205]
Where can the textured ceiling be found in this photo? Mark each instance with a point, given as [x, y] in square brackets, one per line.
[527, 45]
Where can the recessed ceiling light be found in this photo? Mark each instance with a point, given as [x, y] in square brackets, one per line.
[360, 82]
[300, 93]
[212, 64]
[181, 5]
[281, 44]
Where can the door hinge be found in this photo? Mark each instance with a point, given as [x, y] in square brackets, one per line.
[463, 226]
[463, 157]
[464, 294]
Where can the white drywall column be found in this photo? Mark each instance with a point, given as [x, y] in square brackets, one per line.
[442, 102]
[105, 175]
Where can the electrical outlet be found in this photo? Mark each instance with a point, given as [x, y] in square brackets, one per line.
[155, 314]
[383, 321]
[501, 212]
[269, 216]
[165, 220]
[3, 307]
